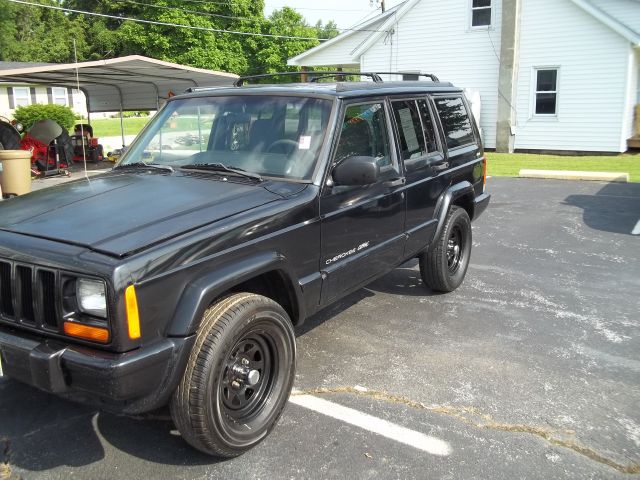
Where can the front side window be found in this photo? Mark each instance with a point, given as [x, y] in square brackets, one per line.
[480, 13]
[455, 121]
[546, 93]
[271, 136]
[21, 96]
[364, 133]
[59, 95]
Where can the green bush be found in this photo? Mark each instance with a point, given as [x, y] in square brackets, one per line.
[30, 114]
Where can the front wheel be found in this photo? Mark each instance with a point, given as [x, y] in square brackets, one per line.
[239, 376]
[444, 265]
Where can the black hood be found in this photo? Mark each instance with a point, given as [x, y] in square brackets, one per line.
[120, 213]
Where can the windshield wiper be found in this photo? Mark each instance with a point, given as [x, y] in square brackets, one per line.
[140, 165]
[220, 167]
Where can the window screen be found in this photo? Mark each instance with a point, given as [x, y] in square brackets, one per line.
[455, 121]
[546, 92]
[480, 13]
[409, 128]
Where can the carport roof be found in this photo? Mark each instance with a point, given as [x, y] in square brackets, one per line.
[128, 83]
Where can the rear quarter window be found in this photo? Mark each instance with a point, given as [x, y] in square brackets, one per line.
[455, 120]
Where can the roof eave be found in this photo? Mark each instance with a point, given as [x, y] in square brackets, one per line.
[397, 15]
[609, 21]
[296, 61]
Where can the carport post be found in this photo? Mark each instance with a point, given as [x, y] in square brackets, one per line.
[122, 127]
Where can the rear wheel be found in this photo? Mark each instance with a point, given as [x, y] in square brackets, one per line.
[444, 265]
[239, 376]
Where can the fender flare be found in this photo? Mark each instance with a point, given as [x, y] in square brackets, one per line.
[201, 292]
[445, 201]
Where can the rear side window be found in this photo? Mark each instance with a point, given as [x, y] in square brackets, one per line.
[410, 129]
[455, 121]
[427, 124]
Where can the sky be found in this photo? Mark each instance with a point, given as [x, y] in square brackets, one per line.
[345, 13]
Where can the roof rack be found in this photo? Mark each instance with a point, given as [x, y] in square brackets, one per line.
[417, 74]
[374, 76]
[317, 75]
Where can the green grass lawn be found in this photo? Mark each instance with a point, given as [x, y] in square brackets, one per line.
[110, 127]
[509, 164]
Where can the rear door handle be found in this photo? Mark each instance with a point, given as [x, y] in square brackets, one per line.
[395, 182]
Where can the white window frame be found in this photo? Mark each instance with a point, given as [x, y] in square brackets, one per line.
[535, 91]
[471, 9]
[59, 93]
[21, 101]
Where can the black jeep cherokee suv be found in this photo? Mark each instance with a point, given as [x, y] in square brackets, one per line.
[178, 276]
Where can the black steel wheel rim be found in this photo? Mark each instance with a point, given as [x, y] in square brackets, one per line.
[241, 399]
[455, 244]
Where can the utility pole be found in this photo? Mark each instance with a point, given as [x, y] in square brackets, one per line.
[378, 2]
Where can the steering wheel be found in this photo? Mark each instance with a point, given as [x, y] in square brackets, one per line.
[283, 144]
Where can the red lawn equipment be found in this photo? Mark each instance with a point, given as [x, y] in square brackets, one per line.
[50, 148]
[85, 146]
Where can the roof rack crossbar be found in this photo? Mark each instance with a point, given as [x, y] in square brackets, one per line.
[374, 76]
[417, 74]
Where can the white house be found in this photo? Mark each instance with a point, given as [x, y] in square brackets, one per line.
[14, 95]
[552, 74]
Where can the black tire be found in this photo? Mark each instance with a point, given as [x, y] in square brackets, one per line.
[9, 137]
[214, 415]
[444, 265]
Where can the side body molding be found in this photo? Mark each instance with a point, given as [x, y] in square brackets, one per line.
[201, 292]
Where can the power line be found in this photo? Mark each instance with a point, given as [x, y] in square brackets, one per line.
[219, 15]
[163, 7]
[166, 24]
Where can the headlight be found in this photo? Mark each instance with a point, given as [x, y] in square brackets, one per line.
[91, 297]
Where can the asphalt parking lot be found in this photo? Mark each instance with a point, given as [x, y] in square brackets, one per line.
[531, 369]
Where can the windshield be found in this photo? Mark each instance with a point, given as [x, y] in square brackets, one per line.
[267, 135]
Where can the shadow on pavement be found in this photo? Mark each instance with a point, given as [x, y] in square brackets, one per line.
[615, 208]
[40, 432]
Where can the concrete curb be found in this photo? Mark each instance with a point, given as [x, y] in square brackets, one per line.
[575, 175]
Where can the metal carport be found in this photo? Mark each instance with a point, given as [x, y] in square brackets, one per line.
[127, 83]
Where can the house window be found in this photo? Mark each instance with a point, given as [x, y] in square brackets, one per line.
[59, 95]
[21, 96]
[480, 13]
[546, 94]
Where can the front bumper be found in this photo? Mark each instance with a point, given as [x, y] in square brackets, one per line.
[130, 382]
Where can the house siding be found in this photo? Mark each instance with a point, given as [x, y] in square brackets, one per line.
[593, 63]
[435, 37]
[41, 96]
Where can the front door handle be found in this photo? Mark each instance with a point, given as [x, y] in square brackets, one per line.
[395, 182]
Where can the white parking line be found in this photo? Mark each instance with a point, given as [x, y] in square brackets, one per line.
[636, 229]
[418, 440]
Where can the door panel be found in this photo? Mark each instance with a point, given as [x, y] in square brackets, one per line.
[362, 226]
[424, 159]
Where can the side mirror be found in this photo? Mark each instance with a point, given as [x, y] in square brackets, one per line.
[356, 171]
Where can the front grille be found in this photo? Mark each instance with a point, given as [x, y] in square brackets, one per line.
[28, 295]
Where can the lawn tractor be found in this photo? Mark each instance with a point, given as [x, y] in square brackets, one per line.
[85, 146]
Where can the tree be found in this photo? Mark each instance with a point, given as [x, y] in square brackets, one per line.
[272, 53]
[32, 34]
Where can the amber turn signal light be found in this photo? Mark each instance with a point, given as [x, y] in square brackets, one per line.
[133, 320]
[86, 332]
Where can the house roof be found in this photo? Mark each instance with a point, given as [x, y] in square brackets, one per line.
[615, 15]
[612, 13]
[131, 83]
[12, 65]
[369, 26]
